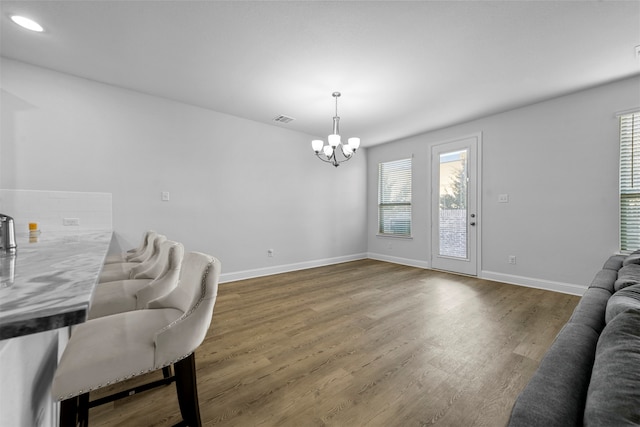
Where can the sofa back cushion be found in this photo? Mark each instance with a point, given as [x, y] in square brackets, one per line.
[623, 300]
[627, 276]
[614, 391]
[590, 311]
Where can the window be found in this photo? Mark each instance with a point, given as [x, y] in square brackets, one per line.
[630, 182]
[394, 198]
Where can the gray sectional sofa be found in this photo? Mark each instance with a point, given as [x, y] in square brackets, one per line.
[591, 373]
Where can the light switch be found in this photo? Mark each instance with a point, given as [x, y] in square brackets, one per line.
[503, 198]
[165, 196]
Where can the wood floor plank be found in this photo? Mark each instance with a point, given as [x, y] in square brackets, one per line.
[364, 343]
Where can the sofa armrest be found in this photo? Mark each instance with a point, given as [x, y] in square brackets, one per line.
[556, 394]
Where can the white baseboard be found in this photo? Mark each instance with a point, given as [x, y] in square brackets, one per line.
[285, 268]
[530, 282]
[566, 288]
[398, 260]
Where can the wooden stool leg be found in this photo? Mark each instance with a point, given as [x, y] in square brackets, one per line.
[187, 389]
[69, 412]
[83, 410]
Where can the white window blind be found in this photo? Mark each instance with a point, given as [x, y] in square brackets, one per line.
[630, 182]
[394, 198]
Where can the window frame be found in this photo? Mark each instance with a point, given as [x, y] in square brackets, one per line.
[386, 201]
[629, 181]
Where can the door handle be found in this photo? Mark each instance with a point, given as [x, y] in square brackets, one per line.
[472, 223]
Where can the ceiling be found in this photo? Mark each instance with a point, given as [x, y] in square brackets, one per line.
[403, 67]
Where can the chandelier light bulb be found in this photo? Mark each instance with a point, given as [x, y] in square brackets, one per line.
[354, 143]
[334, 140]
[328, 151]
[317, 144]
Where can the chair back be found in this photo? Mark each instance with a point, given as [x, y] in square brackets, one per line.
[132, 253]
[195, 296]
[165, 273]
[138, 271]
[145, 250]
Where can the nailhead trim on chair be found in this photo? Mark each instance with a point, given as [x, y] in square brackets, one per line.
[203, 288]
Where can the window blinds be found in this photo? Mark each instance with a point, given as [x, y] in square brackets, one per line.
[630, 182]
[394, 198]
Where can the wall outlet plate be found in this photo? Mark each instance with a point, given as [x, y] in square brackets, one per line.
[70, 221]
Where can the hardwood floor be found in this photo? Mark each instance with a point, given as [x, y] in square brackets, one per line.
[364, 343]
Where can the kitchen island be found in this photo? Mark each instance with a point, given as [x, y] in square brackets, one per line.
[44, 289]
[48, 283]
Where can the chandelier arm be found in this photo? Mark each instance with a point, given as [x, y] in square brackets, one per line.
[325, 158]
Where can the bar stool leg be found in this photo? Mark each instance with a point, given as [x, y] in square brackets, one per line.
[187, 390]
[83, 410]
[69, 412]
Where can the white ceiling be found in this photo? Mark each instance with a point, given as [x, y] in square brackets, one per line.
[403, 67]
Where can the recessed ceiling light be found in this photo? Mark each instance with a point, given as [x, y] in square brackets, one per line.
[27, 23]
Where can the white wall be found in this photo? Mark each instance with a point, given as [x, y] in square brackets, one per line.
[237, 187]
[557, 160]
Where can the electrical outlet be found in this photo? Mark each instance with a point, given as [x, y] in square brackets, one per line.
[503, 198]
[70, 221]
[512, 259]
[270, 253]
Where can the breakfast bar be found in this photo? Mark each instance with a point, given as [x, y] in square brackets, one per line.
[48, 283]
[45, 287]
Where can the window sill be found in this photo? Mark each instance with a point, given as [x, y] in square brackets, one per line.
[394, 236]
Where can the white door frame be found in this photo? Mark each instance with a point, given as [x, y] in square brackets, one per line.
[471, 266]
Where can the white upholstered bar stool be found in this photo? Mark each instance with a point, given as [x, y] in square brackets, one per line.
[134, 294]
[114, 348]
[127, 270]
[132, 255]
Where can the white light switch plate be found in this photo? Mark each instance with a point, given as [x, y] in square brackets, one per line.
[165, 196]
[503, 198]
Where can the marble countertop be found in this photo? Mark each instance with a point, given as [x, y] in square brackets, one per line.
[48, 284]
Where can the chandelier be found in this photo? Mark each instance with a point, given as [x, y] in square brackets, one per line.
[329, 152]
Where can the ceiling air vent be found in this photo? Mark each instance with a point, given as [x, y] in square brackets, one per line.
[283, 119]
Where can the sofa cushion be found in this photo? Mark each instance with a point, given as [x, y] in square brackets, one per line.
[613, 398]
[627, 276]
[634, 258]
[614, 262]
[605, 279]
[623, 300]
[556, 393]
[591, 308]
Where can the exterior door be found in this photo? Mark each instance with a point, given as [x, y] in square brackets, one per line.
[454, 201]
